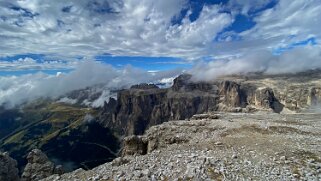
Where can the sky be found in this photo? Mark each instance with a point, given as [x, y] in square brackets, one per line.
[207, 38]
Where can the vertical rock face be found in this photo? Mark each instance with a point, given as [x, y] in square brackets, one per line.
[231, 94]
[264, 98]
[39, 167]
[135, 110]
[314, 96]
[8, 168]
[138, 109]
[143, 106]
[299, 97]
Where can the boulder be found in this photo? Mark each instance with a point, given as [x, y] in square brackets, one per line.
[134, 145]
[8, 168]
[39, 167]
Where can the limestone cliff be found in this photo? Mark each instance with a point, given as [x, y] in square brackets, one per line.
[143, 106]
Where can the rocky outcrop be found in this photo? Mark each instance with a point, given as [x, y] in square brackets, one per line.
[205, 116]
[299, 97]
[265, 99]
[143, 106]
[134, 145]
[8, 168]
[312, 97]
[161, 136]
[39, 167]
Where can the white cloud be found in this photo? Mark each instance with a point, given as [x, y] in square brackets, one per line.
[295, 60]
[144, 27]
[67, 100]
[131, 28]
[200, 32]
[246, 6]
[288, 22]
[15, 90]
[31, 64]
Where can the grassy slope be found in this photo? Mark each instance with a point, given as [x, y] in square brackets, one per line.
[60, 131]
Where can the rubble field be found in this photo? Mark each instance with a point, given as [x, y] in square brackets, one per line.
[219, 146]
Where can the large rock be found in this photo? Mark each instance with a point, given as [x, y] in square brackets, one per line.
[39, 167]
[8, 168]
[134, 145]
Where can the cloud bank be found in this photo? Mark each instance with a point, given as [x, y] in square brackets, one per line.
[292, 61]
[28, 63]
[15, 90]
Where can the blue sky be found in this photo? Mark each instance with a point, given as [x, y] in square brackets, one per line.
[146, 63]
[53, 36]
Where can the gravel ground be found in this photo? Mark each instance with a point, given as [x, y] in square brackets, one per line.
[261, 146]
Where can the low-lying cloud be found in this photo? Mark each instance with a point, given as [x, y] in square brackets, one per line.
[15, 90]
[292, 61]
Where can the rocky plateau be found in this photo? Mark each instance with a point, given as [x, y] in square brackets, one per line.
[232, 146]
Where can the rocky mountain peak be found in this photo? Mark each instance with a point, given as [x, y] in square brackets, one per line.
[181, 81]
[37, 156]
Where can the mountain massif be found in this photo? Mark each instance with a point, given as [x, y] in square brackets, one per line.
[141, 107]
[77, 136]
